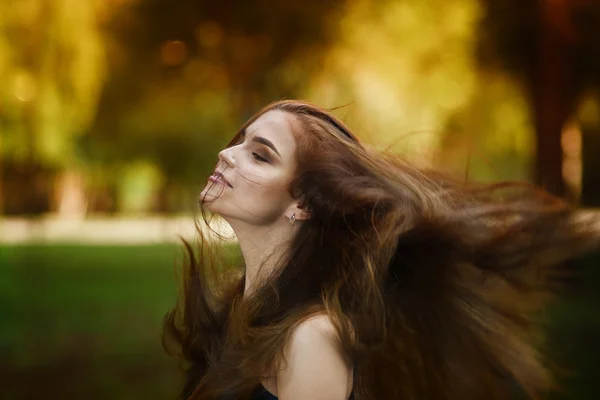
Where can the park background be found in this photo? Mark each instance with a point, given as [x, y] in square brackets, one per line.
[112, 113]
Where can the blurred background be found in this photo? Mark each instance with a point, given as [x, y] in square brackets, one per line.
[112, 113]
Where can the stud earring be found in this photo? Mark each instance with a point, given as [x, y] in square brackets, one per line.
[293, 219]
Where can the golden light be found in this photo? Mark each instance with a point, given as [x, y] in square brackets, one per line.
[24, 87]
[571, 146]
[173, 53]
[209, 35]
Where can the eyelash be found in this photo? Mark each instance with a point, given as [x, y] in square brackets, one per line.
[255, 155]
[259, 158]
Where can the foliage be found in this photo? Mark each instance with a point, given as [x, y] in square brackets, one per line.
[185, 75]
[408, 73]
[51, 60]
[403, 65]
[508, 34]
[102, 87]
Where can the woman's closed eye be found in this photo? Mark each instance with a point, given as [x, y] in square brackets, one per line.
[259, 158]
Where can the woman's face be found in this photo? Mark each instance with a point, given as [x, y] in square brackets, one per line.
[259, 168]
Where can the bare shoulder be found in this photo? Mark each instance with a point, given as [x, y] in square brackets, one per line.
[317, 327]
[315, 366]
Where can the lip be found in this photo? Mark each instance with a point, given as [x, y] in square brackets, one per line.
[218, 177]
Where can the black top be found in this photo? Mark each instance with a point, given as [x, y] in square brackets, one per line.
[263, 394]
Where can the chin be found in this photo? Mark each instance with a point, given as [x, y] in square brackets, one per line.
[213, 204]
[207, 200]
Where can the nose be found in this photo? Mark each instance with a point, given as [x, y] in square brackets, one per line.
[226, 156]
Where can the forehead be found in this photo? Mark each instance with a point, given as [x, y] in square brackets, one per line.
[276, 126]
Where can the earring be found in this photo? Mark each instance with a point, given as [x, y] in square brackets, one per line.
[293, 219]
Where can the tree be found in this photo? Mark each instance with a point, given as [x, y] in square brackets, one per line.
[184, 75]
[553, 48]
[51, 58]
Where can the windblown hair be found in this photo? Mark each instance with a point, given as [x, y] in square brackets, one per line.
[433, 284]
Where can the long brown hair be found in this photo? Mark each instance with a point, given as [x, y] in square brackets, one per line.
[431, 283]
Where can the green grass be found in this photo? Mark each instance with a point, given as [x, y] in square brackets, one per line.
[85, 321]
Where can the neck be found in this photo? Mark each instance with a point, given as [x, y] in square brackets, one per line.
[262, 247]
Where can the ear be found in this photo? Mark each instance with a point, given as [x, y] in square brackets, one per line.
[300, 210]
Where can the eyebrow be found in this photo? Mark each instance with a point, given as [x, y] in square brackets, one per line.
[263, 141]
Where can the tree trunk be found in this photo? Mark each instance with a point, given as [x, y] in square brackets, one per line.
[590, 149]
[553, 94]
[27, 188]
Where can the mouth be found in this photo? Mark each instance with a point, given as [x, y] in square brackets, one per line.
[218, 177]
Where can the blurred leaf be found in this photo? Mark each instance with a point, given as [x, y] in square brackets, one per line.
[51, 54]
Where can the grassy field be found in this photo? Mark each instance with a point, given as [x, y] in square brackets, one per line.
[85, 322]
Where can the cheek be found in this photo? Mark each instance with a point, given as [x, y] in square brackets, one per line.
[267, 190]
[267, 197]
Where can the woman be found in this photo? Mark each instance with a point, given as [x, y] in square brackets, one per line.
[364, 276]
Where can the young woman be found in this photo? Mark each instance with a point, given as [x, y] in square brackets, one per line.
[364, 277]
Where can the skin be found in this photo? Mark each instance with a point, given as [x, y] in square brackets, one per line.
[258, 207]
[316, 369]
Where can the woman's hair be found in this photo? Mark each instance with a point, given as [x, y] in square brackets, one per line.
[432, 284]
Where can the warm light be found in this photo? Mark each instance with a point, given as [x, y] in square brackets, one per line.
[173, 53]
[24, 87]
[209, 35]
[571, 146]
[70, 195]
